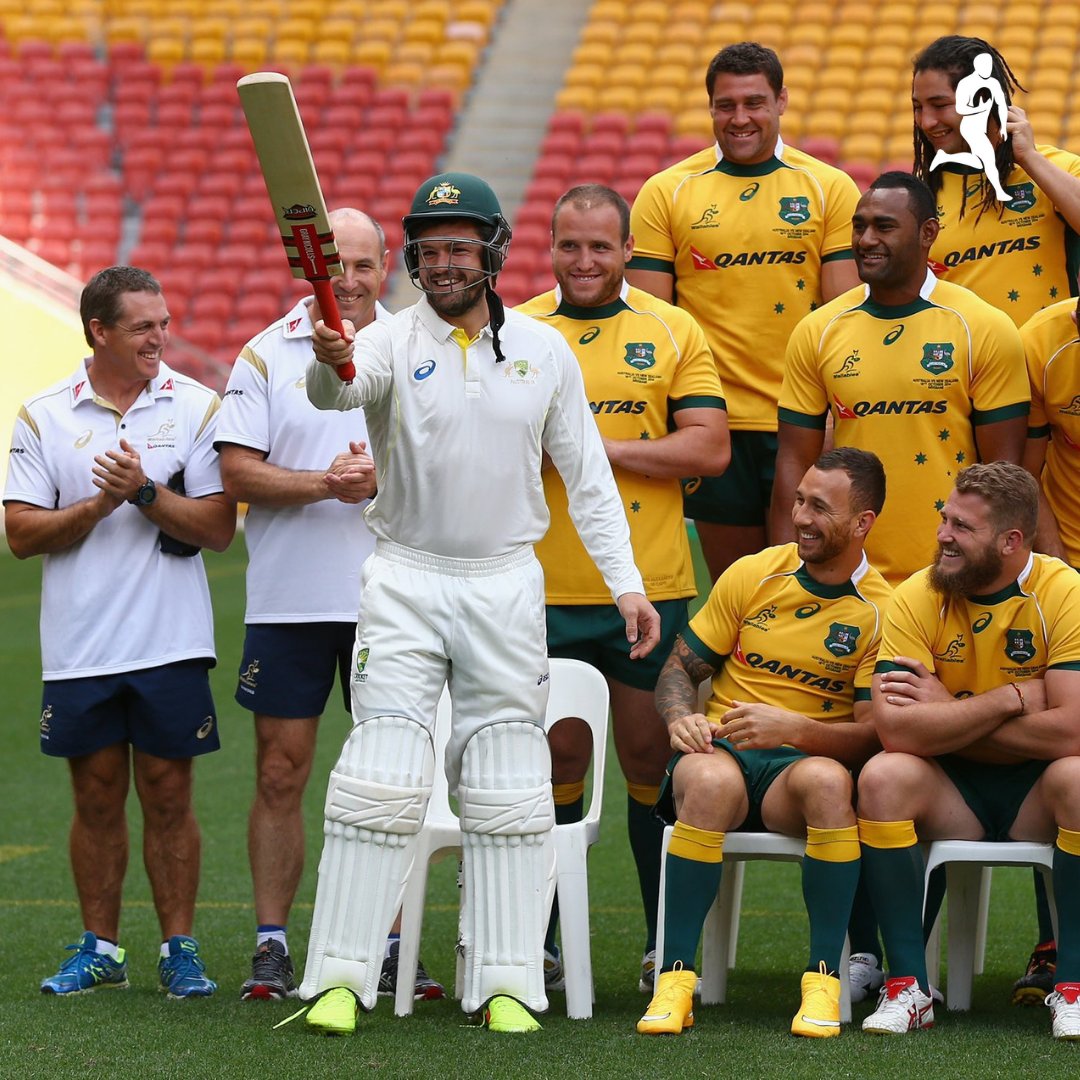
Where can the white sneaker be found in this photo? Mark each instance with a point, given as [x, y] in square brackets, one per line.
[648, 972]
[1064, 1004]
[902, 1007]
[864, 975]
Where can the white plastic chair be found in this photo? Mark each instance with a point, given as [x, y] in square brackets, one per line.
[967, 867]
[720, 933]
[576, 689]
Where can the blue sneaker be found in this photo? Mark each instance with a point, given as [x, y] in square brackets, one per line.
[181, 972]
[87, 970]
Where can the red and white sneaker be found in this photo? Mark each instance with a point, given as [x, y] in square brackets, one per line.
[1064, 1004]
[902, 1007]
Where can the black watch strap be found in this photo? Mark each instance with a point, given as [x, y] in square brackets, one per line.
[145, 495]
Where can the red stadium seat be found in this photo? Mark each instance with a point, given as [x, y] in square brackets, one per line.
[198, 256]
[257, 309]
[204, 231]
[259, 234]
[159, 230]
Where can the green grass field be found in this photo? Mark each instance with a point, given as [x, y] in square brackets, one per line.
[138, 1033]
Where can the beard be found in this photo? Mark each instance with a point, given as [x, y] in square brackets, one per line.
[458, 302]
[975, 576]
[828, 547]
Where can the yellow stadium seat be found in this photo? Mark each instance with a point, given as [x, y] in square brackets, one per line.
[297, 29]
[1050, 82]
[425, 30]
[900, 148]
[449, 76]
[210, 26]
[253, 26]
[897, 14]
[435, 10]
[694, 122]
[394, 10]
[414, 52]
[1019, 14]
[593, 53]
[578, 97]
[165, 51]
[208, 51]
[404, 73]
[601, 33]
[623, 99]
[248, 51]
[825, 123]
[311, 10]
[586, 75]
[642, 33]
[637, 53]
[839, 76]
[614, 11]
[290, 52]
[337, 52]
[659, 98]
[679, 52]
[380, 30]
[478, 11]
[862, 146]
[374, 54]
[655, 11]
[794, 124]
[673, 75]
[122, 29]
[686, 32]
[1055, 16]
[627, 75]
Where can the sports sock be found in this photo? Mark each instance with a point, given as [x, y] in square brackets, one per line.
[1067, 888]
[694, 865]
[894, 871]
[1042, 907]
[935, 897]
[830, 876]
[569, 807]
[391, 939]
[270, 932]
[646, 843]
[105, 947]
[863, 925]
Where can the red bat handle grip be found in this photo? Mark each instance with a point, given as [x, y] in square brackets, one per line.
[332, 317]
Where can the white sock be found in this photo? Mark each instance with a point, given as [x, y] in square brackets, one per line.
[107, 948]
[262, 936]
[164, 948]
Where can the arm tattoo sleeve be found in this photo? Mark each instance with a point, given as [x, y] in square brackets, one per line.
[677, 686]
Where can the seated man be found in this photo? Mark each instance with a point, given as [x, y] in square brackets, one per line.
[976, 701]
[788, 637]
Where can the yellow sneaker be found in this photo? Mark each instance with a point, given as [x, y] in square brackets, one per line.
[671, 1010]
[507, 1015]
[335, 1012]
[819, 1014]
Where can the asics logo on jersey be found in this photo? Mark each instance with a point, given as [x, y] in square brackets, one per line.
[1023, 197]
[795, 209]
[807, 610]
[748, 193]
[707, 219]
[724, 259]
[937, 356]
[421, 372]
[590, 335]
[205, 728]
[83, 439]
[893, 335]
[634, 407]
[887, 408]
[982, 622]
[986, 251]
[795, 674]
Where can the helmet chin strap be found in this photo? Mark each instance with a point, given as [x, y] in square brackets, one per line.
[497, 315]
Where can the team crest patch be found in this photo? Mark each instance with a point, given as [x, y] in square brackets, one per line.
[1019, 645]
[937, 356]
[444, 194]
[361, 660]
[842, 639]
[521, 372]
[795, 209]
[249, 677]
[708, 218]
[640, 354]
[1023, 196]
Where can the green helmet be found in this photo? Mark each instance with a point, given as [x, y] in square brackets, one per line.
[451, 195]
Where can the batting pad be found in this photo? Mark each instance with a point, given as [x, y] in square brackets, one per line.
[375, 805]
[509, 860]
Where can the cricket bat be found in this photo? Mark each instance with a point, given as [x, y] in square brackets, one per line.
[293, 186]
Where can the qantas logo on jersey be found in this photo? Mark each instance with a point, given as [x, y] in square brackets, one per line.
[708, 218]
[78, 389]
[795, 209]
[1023, 197]
[887, 408]
[795, 674]
[937, 356]
[614, 406]
[986, 251]
[292, 324]
[724, 259]
[640, 354]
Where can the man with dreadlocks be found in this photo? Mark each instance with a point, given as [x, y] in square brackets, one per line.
[462, 400]
[1020, 255]
[1013, 253]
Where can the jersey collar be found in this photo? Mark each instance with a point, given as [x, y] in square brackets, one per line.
[297, 323]
[439, 328]
[603, 311]
[762, 168]
[901, 311]
[831, 592]
[1014, 588]
[81, 390]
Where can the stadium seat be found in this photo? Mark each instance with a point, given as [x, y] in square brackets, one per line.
[967, 867]
[720, 934]
[577, 689]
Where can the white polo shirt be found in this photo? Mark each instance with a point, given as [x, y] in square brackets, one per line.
[112, 601]
[303, 561]
[458, 439]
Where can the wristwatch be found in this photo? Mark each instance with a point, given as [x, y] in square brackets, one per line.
[145, 495]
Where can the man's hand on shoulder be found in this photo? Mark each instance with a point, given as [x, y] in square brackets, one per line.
[642, 624]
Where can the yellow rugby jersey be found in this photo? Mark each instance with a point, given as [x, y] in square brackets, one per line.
[1019, 259]
[1052, 347]
[981, 642]
[777, 636]
[912, 384]
[745, 244]
[642, 360]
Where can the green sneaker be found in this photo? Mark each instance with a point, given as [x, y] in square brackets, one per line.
[335, 1012]
[509, 1016]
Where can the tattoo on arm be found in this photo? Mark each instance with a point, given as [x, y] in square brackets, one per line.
[677, 687]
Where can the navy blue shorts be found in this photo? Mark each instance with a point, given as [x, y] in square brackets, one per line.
[165, 711]
[288, 669]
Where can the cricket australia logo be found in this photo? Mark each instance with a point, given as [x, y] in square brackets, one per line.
[249, 676]
[795, 209]
[937, 356]
[761, 620]
[1019, 645]
[842, 639]
[361, 665]
[521, 371]
[707, 219]
[640, 354]
[1023, 196]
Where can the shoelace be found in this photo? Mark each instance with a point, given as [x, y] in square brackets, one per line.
[266, 964]
[183, 965]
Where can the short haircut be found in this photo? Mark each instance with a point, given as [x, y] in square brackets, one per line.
[864, 470]
[100, 298]
[921, 199]
[746, 58]
[350, 213]
[1010, 491]
[586, 196]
